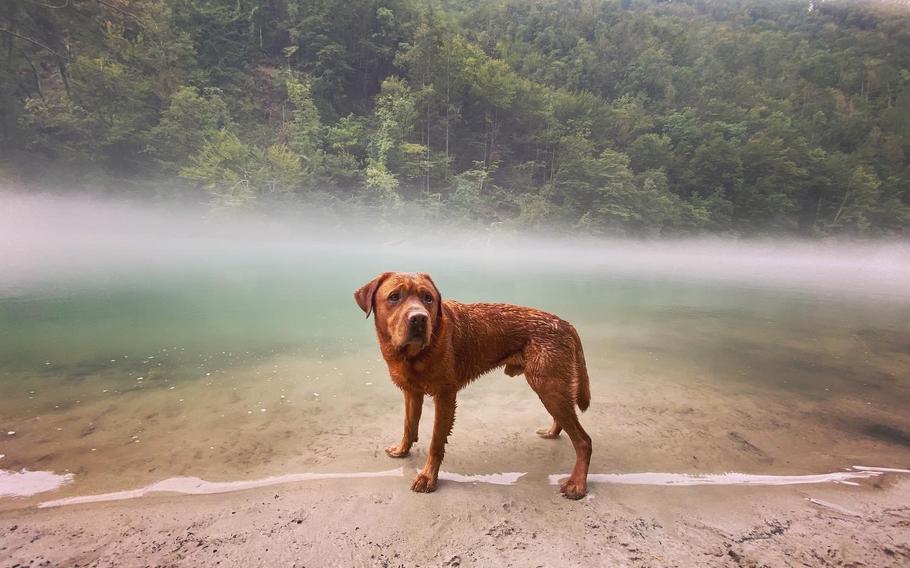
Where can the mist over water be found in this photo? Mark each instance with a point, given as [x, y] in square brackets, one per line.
[139, 342]
[46, 240]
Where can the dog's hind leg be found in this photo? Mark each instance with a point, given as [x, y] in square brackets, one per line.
[576, 486]
[550, 433]
[555, 394]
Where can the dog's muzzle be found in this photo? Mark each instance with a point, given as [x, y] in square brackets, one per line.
[417, 326]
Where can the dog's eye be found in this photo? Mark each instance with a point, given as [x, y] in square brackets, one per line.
[394, 297]
[428, 299]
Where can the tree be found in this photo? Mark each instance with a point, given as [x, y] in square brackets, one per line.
[190, 118]
[393, 119]
[238, 175]
[305, 131]
[854, 205]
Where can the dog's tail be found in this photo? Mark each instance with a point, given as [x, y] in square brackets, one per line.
[582, 383]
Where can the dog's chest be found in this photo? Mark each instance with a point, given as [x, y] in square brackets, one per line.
[417, 375]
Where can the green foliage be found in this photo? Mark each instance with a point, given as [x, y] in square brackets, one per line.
[857, 199]
[651, 151]
[467, 199]
[305, 130]
[190, 118]
[237, 175]
[393, 118]
[638, 118]
[60, 129]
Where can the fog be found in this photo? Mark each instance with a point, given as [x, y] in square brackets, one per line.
[48, 240]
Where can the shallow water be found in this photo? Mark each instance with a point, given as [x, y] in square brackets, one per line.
[260, 364]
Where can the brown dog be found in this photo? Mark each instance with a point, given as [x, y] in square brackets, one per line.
[436, 348]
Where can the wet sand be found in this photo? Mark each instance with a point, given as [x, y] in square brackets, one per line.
[286, 414]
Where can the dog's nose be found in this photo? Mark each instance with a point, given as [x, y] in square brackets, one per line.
[417, 319]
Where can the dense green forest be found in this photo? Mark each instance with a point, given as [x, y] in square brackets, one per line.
[602, 116]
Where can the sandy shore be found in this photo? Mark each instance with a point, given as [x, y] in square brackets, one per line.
[379, 522]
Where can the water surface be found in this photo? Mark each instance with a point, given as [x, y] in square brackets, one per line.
[232, 367]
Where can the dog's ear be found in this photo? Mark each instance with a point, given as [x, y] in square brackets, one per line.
[366, 294]
[438, 294]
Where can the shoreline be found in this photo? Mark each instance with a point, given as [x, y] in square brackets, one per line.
[380, 522]
[42, 482]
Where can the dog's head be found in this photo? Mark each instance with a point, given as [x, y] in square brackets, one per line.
[407, 307]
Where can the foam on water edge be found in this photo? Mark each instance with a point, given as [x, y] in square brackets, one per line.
[732, 478]
[491, 478]
[197, 486]
[26, 483]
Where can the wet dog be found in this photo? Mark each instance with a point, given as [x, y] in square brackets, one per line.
[436, 348]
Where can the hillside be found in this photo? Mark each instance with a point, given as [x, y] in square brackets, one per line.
[622, 117]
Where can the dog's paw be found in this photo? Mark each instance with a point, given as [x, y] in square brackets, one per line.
[572, 489]
[423, 484]
[397, 452]
[547, 433]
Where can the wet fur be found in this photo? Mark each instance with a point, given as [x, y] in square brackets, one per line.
[463, 342]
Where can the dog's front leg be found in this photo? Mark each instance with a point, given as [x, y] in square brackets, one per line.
[444, 404]
[413, 404]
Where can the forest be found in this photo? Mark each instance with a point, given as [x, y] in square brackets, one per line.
[615, 117]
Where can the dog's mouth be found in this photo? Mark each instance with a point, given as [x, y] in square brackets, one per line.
[416, 337]
[411, 347]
